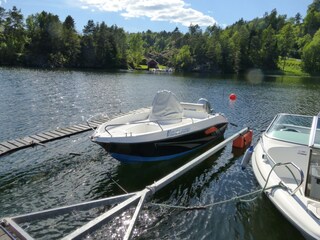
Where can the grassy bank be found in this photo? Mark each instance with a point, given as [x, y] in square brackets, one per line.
[291, 66]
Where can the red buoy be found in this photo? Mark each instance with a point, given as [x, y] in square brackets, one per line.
[232, 97]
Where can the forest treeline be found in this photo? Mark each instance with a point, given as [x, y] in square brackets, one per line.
[43, 40]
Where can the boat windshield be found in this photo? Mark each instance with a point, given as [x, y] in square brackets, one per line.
[291, 128]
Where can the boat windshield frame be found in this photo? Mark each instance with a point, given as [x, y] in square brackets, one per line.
[292, 128]
[313, 175]
[314, 141]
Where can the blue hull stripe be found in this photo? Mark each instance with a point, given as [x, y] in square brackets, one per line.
[133, 158]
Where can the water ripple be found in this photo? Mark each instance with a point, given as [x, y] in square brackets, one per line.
[74, 170]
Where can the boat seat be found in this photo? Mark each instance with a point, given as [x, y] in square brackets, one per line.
[195, 114]
[194, 110]
[199, 107]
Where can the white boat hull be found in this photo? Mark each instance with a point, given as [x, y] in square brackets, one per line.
[149, 141]
[293, 206]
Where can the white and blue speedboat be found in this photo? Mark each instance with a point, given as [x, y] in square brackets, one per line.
[286, 163]
[167, 130]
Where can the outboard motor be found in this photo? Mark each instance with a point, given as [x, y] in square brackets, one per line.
[206, 104]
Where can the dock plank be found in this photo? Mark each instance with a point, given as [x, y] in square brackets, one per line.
[8, 145]
[92, 124]
[65, 132]
[81, 127]
[48, 135]
[52, 134]
[39, 138]
[31, 141]
[2, 149]
[22, 141]
[68, 129]
[96, 122]
[76, 129]
[16, 143]
[56, 133]
[44, 135]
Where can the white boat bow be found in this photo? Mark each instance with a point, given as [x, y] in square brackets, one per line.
[286, 161]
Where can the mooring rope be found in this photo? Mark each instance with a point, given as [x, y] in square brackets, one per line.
[110, 177]
[202, 207]
[241, 198]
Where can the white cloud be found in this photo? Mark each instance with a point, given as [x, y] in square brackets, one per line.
[174, 11]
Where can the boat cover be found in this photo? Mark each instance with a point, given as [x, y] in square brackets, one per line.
[166, 108]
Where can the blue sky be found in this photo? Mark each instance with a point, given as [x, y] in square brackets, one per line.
[141, 15]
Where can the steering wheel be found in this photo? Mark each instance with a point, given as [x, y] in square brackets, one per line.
[289, 130]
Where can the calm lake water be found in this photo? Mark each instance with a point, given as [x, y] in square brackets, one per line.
[74, 169]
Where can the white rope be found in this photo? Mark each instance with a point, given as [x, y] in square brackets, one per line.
[241, 198]
[201, 207]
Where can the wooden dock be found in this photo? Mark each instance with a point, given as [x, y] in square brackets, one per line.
[40, 138]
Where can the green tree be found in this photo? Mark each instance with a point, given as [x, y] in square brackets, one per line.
[268, 51]
[213, 53]
[70, 48]
[46, 38]
[311, 55]
[107, 50]
[312, 19]
[13, 37]
[236, 49]
[286, 42]
[298, 18]
[301, 42]
[183, 60]
[254, 43]
[227, 53]
[197, 42]
[176, 38]
[239, 36]
[88, 45]
[135, 49]
[119, 38]
[2, 21]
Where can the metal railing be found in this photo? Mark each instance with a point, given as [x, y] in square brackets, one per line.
[278, 164]
[140, 122]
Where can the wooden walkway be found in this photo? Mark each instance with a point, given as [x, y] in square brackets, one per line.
[40, 138]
